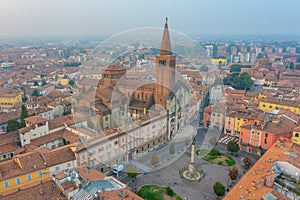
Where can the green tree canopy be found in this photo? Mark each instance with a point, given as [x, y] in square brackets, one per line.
[23, 115]
[24, 98]
[72, 82]
[72, 64]
[36, 83]
[237, 67]
[233, 146]
[44, 82]
[132, 172]
[215, 152]
[12, 125]
[292, 66]
[219, 189]
[35, 93]
[241, 81]
[169, 191]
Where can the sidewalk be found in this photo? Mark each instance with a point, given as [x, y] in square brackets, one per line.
[188, 131]
[143, 164]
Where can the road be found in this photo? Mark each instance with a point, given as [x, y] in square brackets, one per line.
[168, 174]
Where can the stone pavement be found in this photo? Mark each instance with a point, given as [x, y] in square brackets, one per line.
[143, 163]
[166, 173]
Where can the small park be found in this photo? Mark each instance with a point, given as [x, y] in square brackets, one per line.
[155, 192]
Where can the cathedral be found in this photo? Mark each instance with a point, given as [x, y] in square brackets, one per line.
[168, 92]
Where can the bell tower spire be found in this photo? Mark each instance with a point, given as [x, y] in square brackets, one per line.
[165, 69]
[165, 48]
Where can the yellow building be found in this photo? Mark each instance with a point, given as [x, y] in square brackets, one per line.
[271, 104]
[238, 122]
[8, 99]
[21, 171]
[217, 61]
[63, 81]
[261, 96]
[35, 166]
[60, 96]
[296, 135]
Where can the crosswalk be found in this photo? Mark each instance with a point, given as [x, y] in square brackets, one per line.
[227, 139]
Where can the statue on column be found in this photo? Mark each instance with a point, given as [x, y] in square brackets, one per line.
[191, 169]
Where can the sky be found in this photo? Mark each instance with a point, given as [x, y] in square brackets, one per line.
[99, 17]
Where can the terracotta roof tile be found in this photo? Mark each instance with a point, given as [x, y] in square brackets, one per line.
[124, 194]
[35, 160]
[33, 191]
[61, 134]
[251, 185]
[9, 147]
[91, 175]
[35, 119]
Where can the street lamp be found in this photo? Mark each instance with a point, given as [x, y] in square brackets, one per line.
[227, 189]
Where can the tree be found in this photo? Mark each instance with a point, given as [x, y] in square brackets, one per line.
[237, 67]
[247, 161]
[24, 114]
[172, 149]
[219, 189]
[44, 82]
[36, 83]
[233, 146]
[215, 152]
[35, 93]
[24, 98]
[292, 66]
[169, 191]
[233, 173]
[154, 158]
[132, 172]
[12, 125]
[238, 81]
[72, 82]
[277, 60]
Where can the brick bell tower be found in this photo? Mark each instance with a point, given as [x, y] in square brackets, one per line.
[165, 69]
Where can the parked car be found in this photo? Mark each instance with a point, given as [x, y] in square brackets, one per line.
[109, 173]
[117, 169]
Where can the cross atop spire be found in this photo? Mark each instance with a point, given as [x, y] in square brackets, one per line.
[165, 47]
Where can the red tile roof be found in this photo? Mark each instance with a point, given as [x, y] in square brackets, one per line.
[9, 147]
[35, 119]
[34, 161]
[124, 194]
[35, 191]
[251, 185]
[91, 175]
[61, 134]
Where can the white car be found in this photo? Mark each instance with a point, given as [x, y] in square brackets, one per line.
[117, 169]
